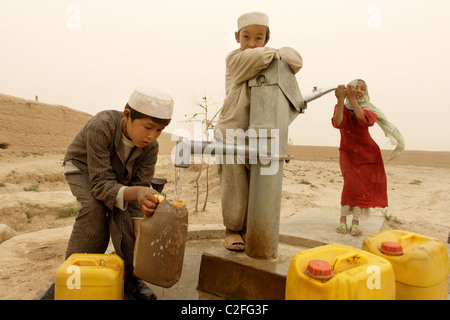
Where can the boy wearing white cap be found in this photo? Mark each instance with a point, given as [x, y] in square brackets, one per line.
[243, 64]
[109, 166]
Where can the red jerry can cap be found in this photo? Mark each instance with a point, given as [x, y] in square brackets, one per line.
[319, 269]
[391, 248]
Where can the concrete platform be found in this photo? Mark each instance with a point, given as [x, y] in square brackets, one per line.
[314, 227]
[211, 272]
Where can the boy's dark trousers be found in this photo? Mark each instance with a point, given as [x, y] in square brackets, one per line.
[93, 227]
[95, 224]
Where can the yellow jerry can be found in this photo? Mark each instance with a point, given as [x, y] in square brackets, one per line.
[88, 276]
[421, 263]
[339, 272]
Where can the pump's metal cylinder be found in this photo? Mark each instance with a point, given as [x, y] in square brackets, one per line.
[275, 100]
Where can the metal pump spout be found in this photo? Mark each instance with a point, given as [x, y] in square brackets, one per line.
[185, 148]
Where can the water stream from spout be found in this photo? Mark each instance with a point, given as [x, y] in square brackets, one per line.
[179, 174]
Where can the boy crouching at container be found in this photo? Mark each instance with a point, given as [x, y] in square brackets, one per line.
[109, 166]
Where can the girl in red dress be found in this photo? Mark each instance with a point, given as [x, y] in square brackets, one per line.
[360, 157]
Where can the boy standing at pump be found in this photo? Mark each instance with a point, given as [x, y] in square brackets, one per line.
[243, 64]
[109, 166]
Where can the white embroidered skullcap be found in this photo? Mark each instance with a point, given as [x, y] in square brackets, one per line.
[152, 102]
[252, 18]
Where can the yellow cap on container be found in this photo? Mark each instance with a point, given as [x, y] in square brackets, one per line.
[320, 270]
[179, 203]
[391, 248]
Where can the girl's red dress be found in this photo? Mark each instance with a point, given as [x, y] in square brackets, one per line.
[361, 163]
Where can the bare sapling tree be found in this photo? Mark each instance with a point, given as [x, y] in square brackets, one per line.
[208, 126]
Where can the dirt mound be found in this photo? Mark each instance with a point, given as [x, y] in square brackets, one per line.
[36, 128]
[33, 127]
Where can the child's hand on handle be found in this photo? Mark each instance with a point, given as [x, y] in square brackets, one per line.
[351, 95]
[351, 92]
[340, 93]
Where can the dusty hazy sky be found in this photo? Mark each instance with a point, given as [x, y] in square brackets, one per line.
[90, 54]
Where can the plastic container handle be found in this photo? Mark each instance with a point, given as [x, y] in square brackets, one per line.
[337, 261]
[85, 262]
[406, 236]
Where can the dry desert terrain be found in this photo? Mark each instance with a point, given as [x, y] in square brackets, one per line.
[37, 207]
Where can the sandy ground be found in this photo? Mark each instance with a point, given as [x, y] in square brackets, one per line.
[33, 193]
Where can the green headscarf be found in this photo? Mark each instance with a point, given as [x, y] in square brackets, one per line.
[388, 128]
